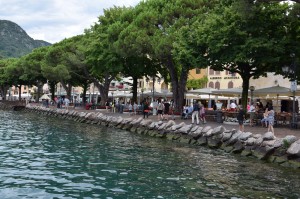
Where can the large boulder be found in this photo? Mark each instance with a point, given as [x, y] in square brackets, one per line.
[196, 134]
[245, 136]
[185, 129]
[268, 136]
[227, 135]
[294, 149]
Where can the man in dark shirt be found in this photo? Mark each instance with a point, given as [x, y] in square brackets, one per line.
[240, 117]
[167, 109]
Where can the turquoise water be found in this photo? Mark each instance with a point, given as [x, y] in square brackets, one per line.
[42, 157]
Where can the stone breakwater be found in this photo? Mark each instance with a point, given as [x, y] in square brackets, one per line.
[284, 151]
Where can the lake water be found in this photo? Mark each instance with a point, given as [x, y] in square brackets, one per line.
[44, 157]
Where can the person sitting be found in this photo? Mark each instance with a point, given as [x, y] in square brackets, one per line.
[265, 119]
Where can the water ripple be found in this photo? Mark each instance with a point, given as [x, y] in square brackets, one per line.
[54, 158]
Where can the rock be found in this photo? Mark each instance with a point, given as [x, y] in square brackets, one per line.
[178, 126]
[263, 153]
[194, 128]
[208, 133]
[163, 126]
[250, 141]
[214, 141]
[294, 149]
[218, 130]
[289, 139]
[206, 129]
[233, 139]
[202, 140]
[185, 129]
[269, 143]
[268, 136]
[226, 135]
[245, 136]
[238, 147]
[146, 123]
[134, 122]
[196, 134]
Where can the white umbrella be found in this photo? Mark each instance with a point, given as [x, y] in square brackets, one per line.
[45, 97]
[202, 91]
[273, 91]
[229, 92]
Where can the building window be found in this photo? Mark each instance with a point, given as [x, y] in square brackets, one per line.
[211, 72]
[211, 85]
[233, 74]
[198, 71]
[217, 72]
[25, 87]
[217, 85]
[230, 84]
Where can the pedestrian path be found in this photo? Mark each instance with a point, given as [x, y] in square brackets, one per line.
[280, 131]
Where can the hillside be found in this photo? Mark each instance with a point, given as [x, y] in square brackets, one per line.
[15, 42]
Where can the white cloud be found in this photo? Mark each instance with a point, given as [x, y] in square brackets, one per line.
[54, 20]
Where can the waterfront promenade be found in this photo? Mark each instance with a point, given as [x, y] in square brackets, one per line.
[280, 131]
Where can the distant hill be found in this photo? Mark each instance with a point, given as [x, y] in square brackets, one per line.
[15, 42]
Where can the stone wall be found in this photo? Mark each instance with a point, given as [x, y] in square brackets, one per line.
[283, 151]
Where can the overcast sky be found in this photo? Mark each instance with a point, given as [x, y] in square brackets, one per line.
[54, 20]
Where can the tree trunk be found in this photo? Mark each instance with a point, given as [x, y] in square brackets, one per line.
[4, 92]
[178, 86]
[245, 75]
[20, 92]
[104, 88]
[134, 89]
[85, 87]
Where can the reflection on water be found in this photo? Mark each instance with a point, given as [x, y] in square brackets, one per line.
[54, 158]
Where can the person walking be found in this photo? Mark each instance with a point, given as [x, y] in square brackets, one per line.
[160, 108]
[66, 102]
[107, 106]
[135, 107]
[130, 108]
[252, 114]
[240, 117]
[271, 115]
[146, 109]
[202, 113]
[195, 113]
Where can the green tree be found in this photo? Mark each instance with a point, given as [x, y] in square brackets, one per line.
[100, 54]
[159, 31]
[244, 37]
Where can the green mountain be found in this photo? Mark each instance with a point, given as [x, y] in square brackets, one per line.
[15, 42]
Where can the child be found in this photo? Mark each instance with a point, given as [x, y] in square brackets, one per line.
[240, 118]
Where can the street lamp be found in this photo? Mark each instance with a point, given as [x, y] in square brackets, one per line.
[252, 88]
[291, 70]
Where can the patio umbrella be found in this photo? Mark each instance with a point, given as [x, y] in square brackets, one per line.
[273, 91]
[230, 92]
[45, 97]
[202, 91]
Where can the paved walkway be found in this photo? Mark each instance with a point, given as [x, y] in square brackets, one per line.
[280, 131]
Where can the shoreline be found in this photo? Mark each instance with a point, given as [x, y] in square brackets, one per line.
[284, 151]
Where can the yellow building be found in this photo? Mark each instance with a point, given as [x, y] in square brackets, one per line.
[217, 79]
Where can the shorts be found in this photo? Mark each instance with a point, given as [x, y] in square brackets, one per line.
[241, 122]
[202, 115]
[159, 111]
